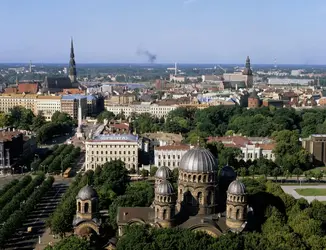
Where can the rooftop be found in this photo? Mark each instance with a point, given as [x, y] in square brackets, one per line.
[174, 147]
[116, 137]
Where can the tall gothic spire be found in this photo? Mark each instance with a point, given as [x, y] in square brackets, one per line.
[248, 63]
[72, 64]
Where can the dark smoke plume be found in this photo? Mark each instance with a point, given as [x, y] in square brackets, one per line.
[151, 57]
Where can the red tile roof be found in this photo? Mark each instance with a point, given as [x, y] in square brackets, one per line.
[11, 90]
[28, 88]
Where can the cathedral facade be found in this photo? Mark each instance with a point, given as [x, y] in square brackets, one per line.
[203, 201]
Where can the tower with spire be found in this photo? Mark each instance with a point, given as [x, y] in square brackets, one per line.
[248, 73]
[72, 64]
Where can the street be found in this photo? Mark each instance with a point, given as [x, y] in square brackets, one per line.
[5, 179]
[36, 219]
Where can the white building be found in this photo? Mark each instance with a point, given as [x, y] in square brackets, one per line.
[254, 152]
[48, 105]
[105, 148]
[154, 109]
[169, 155]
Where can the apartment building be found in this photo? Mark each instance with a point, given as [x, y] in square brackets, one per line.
[105, 148]
[169, 155]
[8, 101]
[47, 106]
[316, 145]
[157, 110]
[69, 105]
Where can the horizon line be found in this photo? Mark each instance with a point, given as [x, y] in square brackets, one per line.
[163, 63]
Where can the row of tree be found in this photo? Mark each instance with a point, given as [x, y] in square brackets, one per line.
[20, 198]
[61, 158]
[15, 189]
[61, 220]
[8, 186]
[16, 219]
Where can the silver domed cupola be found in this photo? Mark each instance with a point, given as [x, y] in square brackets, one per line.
[237, 187]
[163, 173]
[198, 160]
[164, 188]
[87, 193]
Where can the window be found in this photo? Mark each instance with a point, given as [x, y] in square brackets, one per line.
[79, 207]
[164, 214]
[209, 198]
[237, 216]
[86, 207]
[200, 198]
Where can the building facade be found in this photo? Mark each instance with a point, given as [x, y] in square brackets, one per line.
[195, 205]
[252, 148]
[155, 109]
[8, 101]
[70, 103]
[169, 155]
[11, 149]
[316, 145]
[105, 148]
[47, 106]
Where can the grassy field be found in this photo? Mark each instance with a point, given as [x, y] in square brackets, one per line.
[317, 169]
[311, 191]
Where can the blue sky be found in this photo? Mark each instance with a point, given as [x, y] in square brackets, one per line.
[191, 31]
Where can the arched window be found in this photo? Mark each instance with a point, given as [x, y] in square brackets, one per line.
[79, 207]
[189, 178]
[237, 215]
[164, 199]
[199, 178]
[194, 178]
[86, 207]
[230, 212]
[200, 198]
[204, 179]
[157, 212]
[164, 214]
[209, 199]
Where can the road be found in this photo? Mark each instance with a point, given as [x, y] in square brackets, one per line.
[36, 219]
[5, 179]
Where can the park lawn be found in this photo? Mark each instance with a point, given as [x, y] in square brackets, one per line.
[311, 191]
[317, 169]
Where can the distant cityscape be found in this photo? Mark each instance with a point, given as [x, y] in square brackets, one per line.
[91, 154]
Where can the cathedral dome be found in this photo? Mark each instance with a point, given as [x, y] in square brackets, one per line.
[87, 193]
[237, 187]
[163, 173]
[164, 188]
[198, 160]
[228, 172]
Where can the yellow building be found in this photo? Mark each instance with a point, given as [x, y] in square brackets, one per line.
[8, 101]
[48, 105]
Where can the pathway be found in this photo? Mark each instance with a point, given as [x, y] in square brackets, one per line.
[291, 190]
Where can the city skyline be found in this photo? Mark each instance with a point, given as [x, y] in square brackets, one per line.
[191, 31]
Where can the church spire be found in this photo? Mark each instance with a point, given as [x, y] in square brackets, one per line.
[72, 64]
[248, 63]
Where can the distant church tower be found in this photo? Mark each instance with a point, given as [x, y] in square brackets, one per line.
[72, 64]
[248, 72]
